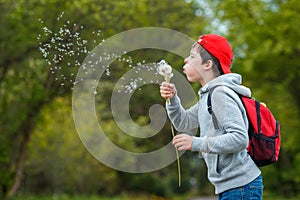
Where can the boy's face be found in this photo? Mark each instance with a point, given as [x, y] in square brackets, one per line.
[193, 68]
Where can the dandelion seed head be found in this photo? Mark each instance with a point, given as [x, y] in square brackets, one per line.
[164, 69]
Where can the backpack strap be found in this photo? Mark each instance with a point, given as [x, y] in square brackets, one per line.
[209, 109]
[257, 106]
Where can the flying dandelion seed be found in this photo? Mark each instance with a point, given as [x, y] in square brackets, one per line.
[63, 48]
[107, 71]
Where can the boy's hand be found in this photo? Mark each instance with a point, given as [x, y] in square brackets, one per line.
[167, 90]
[183, 142]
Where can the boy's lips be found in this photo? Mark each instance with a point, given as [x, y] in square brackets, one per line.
[183, 69]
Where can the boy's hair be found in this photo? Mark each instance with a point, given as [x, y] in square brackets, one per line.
[205, 55]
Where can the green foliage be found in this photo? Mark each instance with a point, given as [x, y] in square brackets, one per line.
[35, 103]
[33, 100]
[58, 163]
[58, 159]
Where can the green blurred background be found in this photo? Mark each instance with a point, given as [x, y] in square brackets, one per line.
[41, 155]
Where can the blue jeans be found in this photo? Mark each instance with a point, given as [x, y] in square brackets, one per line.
[251, 191]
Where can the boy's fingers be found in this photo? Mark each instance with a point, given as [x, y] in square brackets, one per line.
[176, 139]
[182, 140]
[169, 85]
[167, 90]
[165, 83]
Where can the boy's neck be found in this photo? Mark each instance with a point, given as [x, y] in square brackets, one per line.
[207, 78]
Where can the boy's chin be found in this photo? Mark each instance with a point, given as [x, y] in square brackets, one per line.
[190, 79]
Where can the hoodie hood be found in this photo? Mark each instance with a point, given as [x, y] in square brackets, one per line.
[231, 80]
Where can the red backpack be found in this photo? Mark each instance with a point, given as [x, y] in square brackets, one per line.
[264, 130]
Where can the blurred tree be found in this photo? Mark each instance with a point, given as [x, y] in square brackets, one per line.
[263, 33]
[57, 162]
[29, 81]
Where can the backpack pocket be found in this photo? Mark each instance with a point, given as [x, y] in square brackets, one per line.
[262, 149]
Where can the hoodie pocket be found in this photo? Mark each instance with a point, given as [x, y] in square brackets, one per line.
[212, 161]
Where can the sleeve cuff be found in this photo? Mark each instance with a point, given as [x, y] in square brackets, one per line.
[174, 102]
[196, 143]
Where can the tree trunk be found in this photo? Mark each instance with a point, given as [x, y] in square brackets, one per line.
[25, 130]
[20, 166]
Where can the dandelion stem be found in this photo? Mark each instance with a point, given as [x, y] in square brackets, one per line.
[177, 156]
[166, 70]
[167, 79]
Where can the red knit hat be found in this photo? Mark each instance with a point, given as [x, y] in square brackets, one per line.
[219, 47]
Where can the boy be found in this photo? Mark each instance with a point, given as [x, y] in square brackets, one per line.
[230, 168]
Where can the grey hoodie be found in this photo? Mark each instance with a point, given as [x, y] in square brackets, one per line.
[224, 150]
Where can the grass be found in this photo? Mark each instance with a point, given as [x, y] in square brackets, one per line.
[93, 197]
[122, 197]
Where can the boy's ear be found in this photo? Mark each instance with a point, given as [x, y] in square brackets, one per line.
[208, 65]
